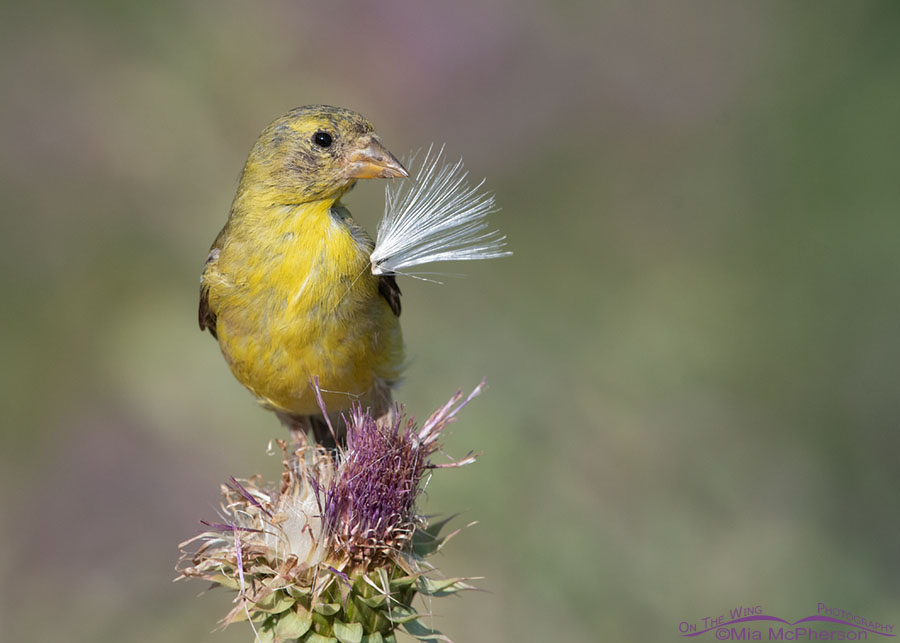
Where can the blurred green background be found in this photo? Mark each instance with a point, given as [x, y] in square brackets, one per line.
[692, 357]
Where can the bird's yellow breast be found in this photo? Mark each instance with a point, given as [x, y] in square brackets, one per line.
[295, 299]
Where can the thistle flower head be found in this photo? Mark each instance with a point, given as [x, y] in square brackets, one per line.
[337, 549]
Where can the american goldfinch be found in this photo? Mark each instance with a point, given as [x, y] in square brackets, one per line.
[296, 292]
[287, 288]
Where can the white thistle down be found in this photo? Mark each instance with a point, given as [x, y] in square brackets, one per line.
[438, 216]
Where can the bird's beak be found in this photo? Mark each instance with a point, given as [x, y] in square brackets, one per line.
[373, 161]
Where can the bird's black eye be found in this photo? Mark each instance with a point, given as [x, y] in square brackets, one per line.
[322, 139]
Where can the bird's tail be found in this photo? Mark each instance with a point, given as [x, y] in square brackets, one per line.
[329, 429]
[307, 428]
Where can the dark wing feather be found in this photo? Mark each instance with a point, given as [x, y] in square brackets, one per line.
[387, 286]
[205, 315]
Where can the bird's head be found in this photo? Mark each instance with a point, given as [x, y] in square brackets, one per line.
[317, 152]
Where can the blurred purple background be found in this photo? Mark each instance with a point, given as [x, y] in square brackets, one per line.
[692, 356]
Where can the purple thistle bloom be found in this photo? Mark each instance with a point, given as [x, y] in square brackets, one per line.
[369, 507]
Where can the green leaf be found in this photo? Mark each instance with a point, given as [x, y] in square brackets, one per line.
[347, 632]
[327, 609]
[443, 587]
[294, 624]
[403, 581]
[434, 528]
[265, 633]
[427, 541]
[312, 637]
[373, 638]
[373, 601]
[265, 636]
[274, 603]
[424, 633]
[227, 581]
[402, 614]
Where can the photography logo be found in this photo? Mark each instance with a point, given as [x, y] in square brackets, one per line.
[753, 624]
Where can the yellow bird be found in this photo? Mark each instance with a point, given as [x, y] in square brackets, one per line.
[288, 288]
